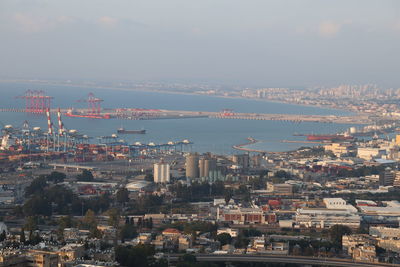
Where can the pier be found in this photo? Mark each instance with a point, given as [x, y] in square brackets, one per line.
[251, 141]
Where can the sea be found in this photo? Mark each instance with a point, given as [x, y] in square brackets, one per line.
[208, 135]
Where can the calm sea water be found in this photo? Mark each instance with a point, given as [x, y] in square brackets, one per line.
[213, 135]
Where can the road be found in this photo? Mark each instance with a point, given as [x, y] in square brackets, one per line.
[282, 259]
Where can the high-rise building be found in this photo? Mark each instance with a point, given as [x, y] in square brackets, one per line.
[387, 177]
[161, 172]
[242, 160]
[192, 166]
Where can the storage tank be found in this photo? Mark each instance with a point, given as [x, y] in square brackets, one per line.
[192, 166]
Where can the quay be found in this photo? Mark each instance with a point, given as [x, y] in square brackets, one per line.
[304, 142]
[157, 114]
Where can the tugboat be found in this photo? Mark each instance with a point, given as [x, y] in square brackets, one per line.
[122, 130]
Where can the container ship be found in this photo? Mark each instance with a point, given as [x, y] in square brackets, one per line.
[90, 116]
[328, 137]
[124, 131]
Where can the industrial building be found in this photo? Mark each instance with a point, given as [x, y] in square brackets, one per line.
[192, 166]
[326, 218]
[161, 172]
[206, 165]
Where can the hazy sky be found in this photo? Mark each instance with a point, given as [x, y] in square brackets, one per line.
[254, 42]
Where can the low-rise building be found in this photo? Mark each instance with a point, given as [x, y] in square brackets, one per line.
[184, 242]
[71, 252]
[230, 231]
[365, 253]
[385, 232]
[350, 242]
[326, 218]
[241, 215]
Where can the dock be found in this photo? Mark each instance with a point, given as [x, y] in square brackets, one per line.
[159, 114]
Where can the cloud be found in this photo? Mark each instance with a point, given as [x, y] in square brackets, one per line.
[31, 24]
[396, 26]
[34, 24]
[329, 29]
[107, 21]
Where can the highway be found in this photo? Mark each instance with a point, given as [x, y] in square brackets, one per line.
[281, 259]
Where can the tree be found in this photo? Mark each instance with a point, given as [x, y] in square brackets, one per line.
[37, 205]
[113, 217]
[187, 260]
[336, 233]
[34, 239]
[89, 220]
[122, 195]
[36, 186]
[31, 223]
[128, 231]
[85, 176]
[241, 241]
[140, 255]
[56, 177]
[251, 232]
[65, 222]
[296, 250]
[228, 196]
[94, 232]
[224, 238]
[3, 236]
[309, 251]
[22, 238]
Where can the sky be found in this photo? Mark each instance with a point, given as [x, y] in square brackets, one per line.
[246, 42]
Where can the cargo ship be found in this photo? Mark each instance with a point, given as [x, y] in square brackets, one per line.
[124, 131]
[90, 116]
[328, 137]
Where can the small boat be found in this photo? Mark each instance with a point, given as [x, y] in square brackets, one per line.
[124, 131]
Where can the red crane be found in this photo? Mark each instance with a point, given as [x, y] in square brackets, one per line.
[94, 104]
[36, 101]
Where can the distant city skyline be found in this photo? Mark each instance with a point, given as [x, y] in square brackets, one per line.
[258, 43]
